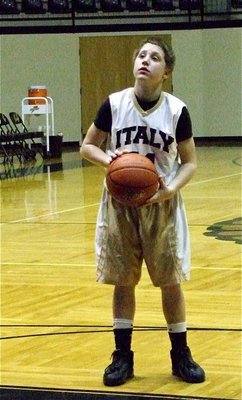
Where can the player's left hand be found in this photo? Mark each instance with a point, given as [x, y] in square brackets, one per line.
[164, 192]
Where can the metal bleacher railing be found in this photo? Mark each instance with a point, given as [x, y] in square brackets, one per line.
[36, 16]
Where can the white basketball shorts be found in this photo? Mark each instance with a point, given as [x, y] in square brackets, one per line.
[127, 236]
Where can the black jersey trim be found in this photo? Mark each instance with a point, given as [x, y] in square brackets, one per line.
[103, 121]
[103, 118]
[184, 126]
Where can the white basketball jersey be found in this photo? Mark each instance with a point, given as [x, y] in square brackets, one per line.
[151, 132]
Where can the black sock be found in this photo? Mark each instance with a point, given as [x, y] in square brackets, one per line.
[123, 339]
[178, 340]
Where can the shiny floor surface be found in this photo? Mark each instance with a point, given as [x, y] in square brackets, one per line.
[56, 321]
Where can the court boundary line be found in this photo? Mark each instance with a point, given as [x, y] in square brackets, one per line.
[99, 330]
[109, 395]
[93, 266]
[96, 204]
[213, 179]
[51, 213]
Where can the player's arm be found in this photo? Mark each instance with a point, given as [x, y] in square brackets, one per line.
[187, 152]
[96, 135]
[187, 168]
[91, 147]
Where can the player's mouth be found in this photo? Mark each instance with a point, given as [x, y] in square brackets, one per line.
[143, 69]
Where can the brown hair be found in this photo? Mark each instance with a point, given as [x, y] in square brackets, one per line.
[169, 54]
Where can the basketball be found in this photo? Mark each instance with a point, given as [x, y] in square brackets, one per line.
[132, 179]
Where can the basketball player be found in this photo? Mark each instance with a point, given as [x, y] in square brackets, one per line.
[146, 120]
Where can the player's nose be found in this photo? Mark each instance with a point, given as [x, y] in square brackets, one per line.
[145, 61]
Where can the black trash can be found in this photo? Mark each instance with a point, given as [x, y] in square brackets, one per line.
[55, 147]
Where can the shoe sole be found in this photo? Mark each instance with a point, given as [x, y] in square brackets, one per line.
[188, 380]
[119, 382]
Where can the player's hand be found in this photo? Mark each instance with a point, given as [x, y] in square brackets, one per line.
[164, 192]
[116, 154]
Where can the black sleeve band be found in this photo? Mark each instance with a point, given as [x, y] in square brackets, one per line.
[184, 126]
[103, 119]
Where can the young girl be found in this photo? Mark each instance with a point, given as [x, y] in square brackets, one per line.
[146, 120]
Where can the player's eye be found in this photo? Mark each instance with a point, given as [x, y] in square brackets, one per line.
[155, 58]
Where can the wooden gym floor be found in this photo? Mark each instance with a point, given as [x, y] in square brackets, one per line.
[57, 321]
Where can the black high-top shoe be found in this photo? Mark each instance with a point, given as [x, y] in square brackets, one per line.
[185, 367]
[120, 370]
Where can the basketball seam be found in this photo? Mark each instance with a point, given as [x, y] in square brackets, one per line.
[133, 186]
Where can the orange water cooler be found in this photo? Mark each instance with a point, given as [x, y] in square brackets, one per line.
[36, 92]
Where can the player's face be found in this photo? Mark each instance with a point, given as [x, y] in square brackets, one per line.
[150, 64]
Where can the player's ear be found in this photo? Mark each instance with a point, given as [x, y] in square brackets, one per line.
[167, 73]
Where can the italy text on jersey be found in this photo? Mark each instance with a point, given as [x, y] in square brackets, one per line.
[143, 135]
